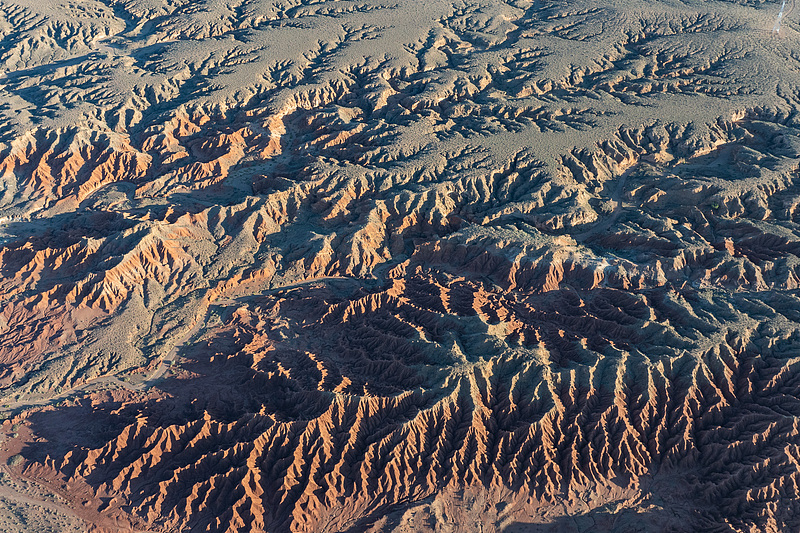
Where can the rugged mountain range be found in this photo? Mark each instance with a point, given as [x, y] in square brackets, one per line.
[399, 266]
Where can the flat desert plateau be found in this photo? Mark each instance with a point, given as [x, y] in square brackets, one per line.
[397, 266]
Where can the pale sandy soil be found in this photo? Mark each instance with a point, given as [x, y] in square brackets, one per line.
[367, 265]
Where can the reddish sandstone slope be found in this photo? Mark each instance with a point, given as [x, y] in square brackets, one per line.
[427, 266]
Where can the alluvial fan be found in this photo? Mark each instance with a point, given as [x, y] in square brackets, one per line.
[373, 266]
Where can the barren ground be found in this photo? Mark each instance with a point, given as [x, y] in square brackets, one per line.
[378, 266]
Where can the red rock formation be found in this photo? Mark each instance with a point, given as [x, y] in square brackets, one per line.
[352, 266]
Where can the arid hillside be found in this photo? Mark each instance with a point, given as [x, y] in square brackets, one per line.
[399, 266]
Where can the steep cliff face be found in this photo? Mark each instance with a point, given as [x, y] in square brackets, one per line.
[418, 266]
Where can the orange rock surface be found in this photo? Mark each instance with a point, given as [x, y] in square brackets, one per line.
[364, 266]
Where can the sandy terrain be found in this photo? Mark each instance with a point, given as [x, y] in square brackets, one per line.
[379, 266]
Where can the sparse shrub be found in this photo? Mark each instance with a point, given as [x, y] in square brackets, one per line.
[606, 207]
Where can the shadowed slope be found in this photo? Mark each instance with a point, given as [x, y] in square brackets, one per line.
[373, 266]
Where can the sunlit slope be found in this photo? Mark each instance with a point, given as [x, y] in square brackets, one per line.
[494, 262]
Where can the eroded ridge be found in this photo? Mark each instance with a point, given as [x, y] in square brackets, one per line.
[375, 266]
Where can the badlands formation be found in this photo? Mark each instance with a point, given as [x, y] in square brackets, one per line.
[399, 266]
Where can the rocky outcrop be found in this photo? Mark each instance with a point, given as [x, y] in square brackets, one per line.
[362, 266]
